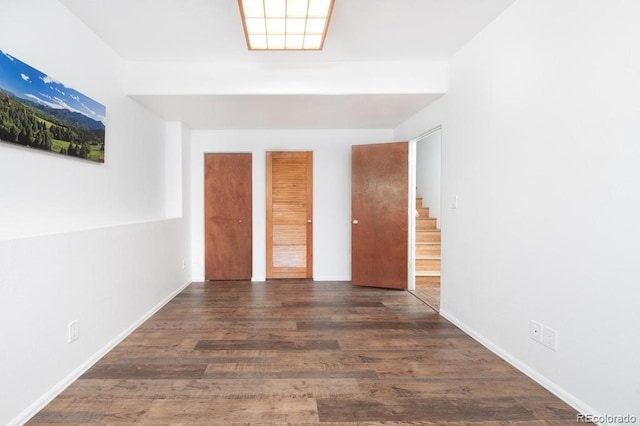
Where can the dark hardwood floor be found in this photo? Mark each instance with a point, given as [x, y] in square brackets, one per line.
[429, 295]
[300, 352]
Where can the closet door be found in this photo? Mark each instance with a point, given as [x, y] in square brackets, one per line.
[289, 195]
[227, 208]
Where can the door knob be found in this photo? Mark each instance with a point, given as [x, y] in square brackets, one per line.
[355, 221]
[308, 220]
[239, 220]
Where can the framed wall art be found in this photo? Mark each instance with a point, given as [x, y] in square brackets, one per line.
[39, 112]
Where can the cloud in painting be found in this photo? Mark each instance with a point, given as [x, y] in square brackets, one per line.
[46, 79]
[24, 77]
[43, 102]
[63, 104]
[94, 114]
[45, 96]
[57, 103]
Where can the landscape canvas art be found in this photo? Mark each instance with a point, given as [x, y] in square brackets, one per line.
[39, 112]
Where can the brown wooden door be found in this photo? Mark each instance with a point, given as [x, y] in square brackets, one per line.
[379, 208]
[227, 209]
[289, 214]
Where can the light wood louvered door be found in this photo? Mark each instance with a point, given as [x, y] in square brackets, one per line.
[289, 214]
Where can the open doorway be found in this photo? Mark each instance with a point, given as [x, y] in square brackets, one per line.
[425, 237]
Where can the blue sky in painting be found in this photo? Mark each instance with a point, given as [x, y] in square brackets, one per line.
[28, 83]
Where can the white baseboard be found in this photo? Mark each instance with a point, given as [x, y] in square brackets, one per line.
[543, 381]
[41, 402]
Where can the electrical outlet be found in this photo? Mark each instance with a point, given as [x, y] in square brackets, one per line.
[550, 338]
[74, 331]
[454, 202]
[535, 331]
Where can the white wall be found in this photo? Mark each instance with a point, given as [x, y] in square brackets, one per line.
[279, 78]
[109, 279]
[78, 240]
[331, 190]
[75, 193]
[428, 172]
[540, 142]
[429, 154]
[422, 121]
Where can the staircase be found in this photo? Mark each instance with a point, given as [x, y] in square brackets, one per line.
[427, 248]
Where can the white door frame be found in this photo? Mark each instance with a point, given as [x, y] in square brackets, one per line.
[411, 276]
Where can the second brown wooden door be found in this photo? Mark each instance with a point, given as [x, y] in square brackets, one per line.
[289, 195]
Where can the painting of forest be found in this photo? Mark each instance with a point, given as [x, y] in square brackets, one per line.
[39, 112]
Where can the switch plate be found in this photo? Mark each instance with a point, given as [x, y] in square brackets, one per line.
[535, 331]
[74, 331]
[550, 338]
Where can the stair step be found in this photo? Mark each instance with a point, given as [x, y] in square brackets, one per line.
[428, 236]
[427, 265]
[422, 212]
[427, 273]
[424, 223]
[427, 250]
[427, 281]
[428, 256]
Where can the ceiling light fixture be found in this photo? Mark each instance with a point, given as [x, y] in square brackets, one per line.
[285, 24]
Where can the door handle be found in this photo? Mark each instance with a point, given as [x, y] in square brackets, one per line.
[354, 221]
[239, 220]
[308, 220]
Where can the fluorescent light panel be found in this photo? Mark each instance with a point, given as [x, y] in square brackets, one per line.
[285, 24]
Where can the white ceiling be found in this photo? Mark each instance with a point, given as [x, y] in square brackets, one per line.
[287, 111]
[360, 30]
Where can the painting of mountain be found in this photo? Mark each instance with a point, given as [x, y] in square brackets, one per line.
[37, 111]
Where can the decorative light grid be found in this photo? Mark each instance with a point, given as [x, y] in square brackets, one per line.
[285, 24]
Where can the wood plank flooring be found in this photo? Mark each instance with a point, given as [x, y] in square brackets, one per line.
[429, 295]
[300, 352]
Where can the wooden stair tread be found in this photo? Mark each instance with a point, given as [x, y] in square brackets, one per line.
[427, 273]
[427, 268]
[426, 220]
